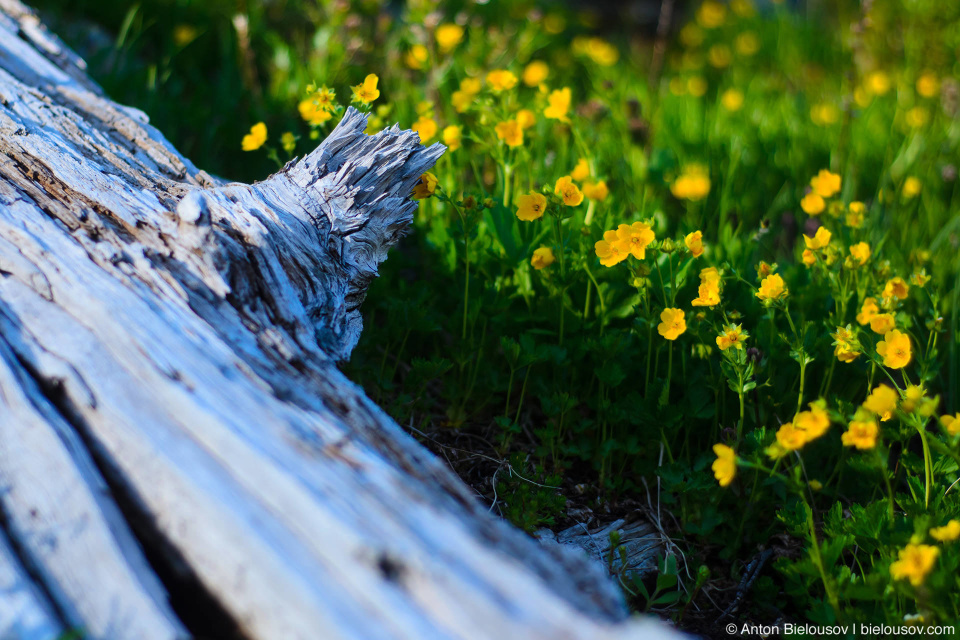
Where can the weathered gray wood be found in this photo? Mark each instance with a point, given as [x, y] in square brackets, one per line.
[57, 507]
[24, 612]
[639, 543]
[183, 333]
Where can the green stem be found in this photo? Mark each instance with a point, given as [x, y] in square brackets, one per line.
[507, 183]
[596, 285]
[786, 312]
[523, 392]
[818, 559]
[803, 372]
[669, 370]
[586, 302]
[466, 288]
[886, 480]
[740, 393]
[927, 464]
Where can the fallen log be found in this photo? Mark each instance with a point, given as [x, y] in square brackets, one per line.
[179, 454]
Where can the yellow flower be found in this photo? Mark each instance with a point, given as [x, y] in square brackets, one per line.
[526, 118]
[581, 171]
[882, 323]
[288, 141]
[367, 92]
[184, 34]
[611, 249]
[860, 252]
[868, 311]
[917, 117]
[710, 275]
[911, 187]
[691, 35]
[819, 240]
[878, 83]
[635, 237]
[416, 57]
[947, 533]
[772, 288]
[719, 56]
[914, 563]
[255, 139]
[452, 137]
[824, 114]
[711, 14]
[725, 466]
[708, 295]
[566, 189]
[743, 8]
[732, 336]
[826, 184]
[895, 349]
[426, 128]
[846, 345]
[896, 287]
[318, 107]
[790, 438]
[776, 451]
[510, 132]
[709, 291]
[471, 85]
[501, 80]
[928, 85]
[535, 73]
[542, 257]
[855, 213]
[747, 43]
[558, 105]
[913, 395]
[694, 242]
[672, 323]
[692, 184]
[464, 97]
[844, 354]
[813, 204]
[597, 49]
[764, 269]
[697, 86]
[448, 37]
[554, 23]
[861, 433]
[920, 278]
[809, 258]
[426, 187]
[531, 207]
[882, 402]
[596, 190]
[732, 99]
[813, 423]
[951, 424]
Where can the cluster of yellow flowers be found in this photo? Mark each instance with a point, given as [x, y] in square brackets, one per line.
[627, 240]
[915, 561]
[318, 106]
[822, 186]
[256, 138]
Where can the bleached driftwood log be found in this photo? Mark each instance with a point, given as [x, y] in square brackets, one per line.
[179, 454]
